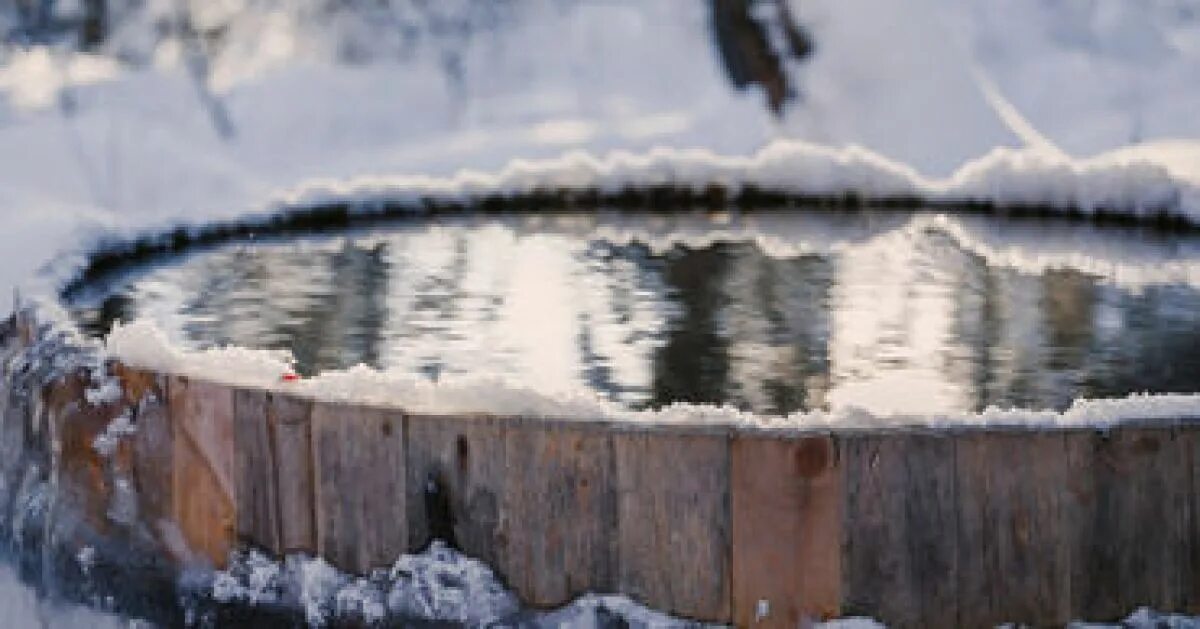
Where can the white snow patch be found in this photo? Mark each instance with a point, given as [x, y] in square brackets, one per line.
[106, 392]
[142, 344]
[439, 584]
[443, 584]
[120, 427]
[1145, 618]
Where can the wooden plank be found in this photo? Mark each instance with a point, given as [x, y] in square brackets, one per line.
[202, 413]
[787, 530]
[203, 491]
[900, 544]
[153, 444]
[1013, 558]
[560, 483]
[254, 464]
[78, 470]
[360, 493]
[456, 475]
[203, 512]
[674, 527]
[291, 425]
[1132, 521]
[1189, 435]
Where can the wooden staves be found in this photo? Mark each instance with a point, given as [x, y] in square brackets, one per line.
[455, 484]
[359, 467]
[674, 523]
[966, 527]
[274, 458]
[203, 496]
[899, 529]
[559, 489]
[1014, 540]
[787, 529]
[257, 488]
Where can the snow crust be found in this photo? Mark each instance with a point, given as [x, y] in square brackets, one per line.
[438, 584]
[1086, 104]
[441, 584]
[142, 344]
[1136, 186]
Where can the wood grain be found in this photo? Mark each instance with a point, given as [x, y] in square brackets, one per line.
[674, 524]
[559, 488]
[359, 490]
[787, 530]
[901, 543]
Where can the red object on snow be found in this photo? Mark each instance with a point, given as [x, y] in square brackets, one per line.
[290, 377]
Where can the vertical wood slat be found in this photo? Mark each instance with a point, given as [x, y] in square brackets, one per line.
[290, 421]
[78, 469]
[559, 484]
[674, 529]
[153, 444]
[359, 463]
[1133, 521]
[463, 460]
[900, 528]
[1013, 557]
[255, 464]
[787, 537]
[203, 495]
[1126, 527]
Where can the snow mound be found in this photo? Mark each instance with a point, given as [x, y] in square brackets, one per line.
[1137, 185]
[438, 584]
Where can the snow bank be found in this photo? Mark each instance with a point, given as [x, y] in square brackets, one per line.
[438, 584]
[130, 140]
[1137, 187]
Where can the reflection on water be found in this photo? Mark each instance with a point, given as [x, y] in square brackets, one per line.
[771, 312]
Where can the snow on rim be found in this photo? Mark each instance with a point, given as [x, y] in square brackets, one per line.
[1134, 187]
[142, 344]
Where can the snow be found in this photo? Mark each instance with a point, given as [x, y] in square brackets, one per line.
[142, 344]
[121, 426]
[442, 584]
[1082, 105]
[1145, 618]
[438, 584]
[949, 101]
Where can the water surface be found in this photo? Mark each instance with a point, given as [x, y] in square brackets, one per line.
[770, 311]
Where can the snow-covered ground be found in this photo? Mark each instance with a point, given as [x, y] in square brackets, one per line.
[134, 136]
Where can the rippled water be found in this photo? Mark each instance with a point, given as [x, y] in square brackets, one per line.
[770, 311]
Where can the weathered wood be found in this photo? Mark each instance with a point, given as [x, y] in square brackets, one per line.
[1013, 558]
[1131, 521]
[900, 541]
[79, 471]
[456, 476]
[202, 413]
[291, 425]
[1189, 434]
[787, 521]
[559, 487]
[254, 463]
[360, 494]
[674, 528]
[203, 487]
[153, 444]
